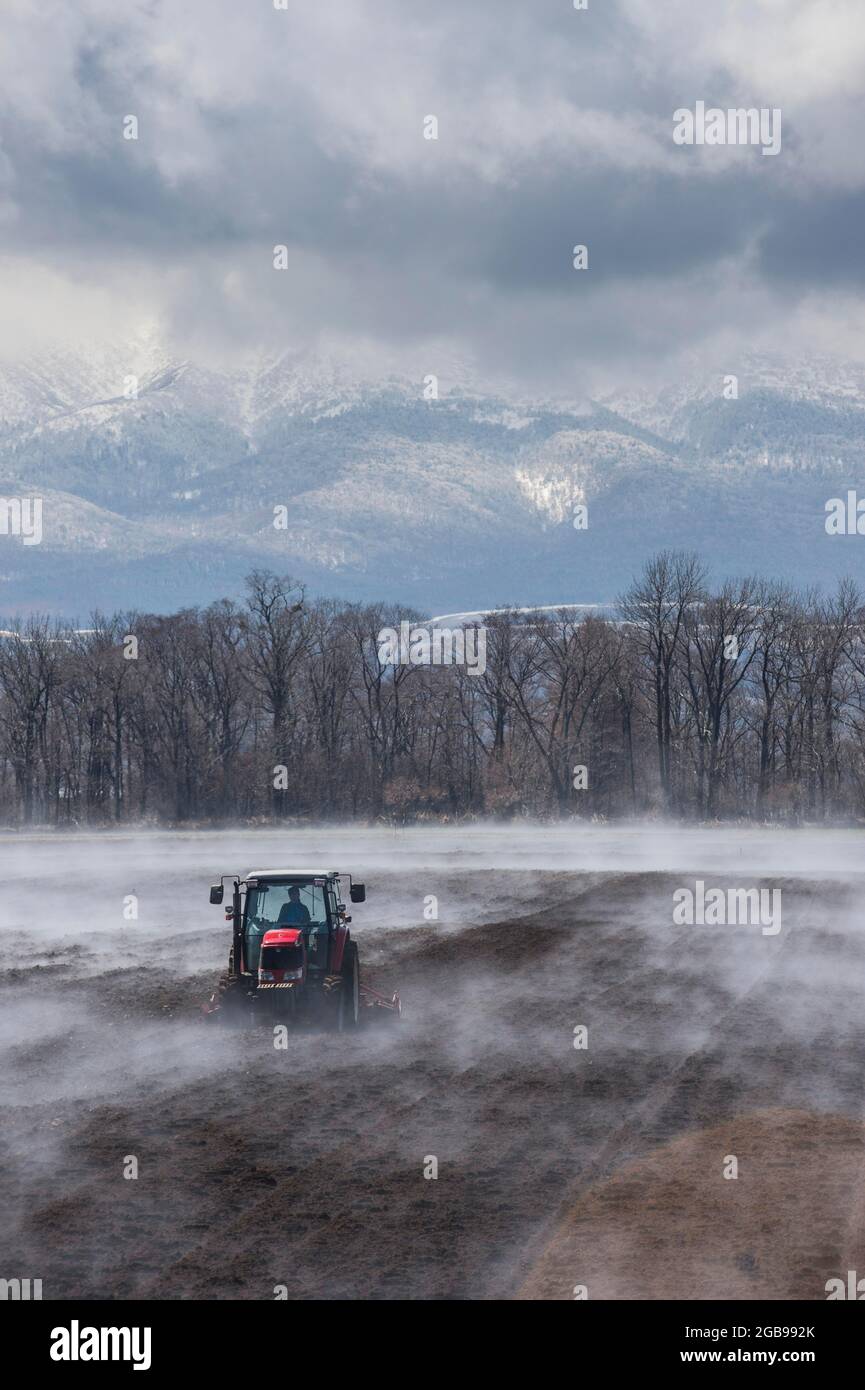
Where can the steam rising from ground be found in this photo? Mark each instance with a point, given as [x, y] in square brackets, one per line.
[539, 930]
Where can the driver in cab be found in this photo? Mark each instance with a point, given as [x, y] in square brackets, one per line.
[294, 913]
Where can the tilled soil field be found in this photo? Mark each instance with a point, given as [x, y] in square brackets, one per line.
[560, 1167]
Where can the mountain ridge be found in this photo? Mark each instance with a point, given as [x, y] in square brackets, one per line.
[161, 480]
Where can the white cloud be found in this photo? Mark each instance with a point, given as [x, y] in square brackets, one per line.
[260, 126]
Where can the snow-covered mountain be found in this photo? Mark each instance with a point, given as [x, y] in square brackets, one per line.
[162, 480]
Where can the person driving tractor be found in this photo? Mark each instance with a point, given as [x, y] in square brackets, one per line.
[294, 913]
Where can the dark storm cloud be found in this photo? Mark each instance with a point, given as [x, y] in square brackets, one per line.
[816, 241]
[258, 128]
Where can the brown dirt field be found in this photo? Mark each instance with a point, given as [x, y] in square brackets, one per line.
[671, 1226]
[557, 1166]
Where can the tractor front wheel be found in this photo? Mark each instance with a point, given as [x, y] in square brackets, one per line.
[230, 1001]
[348, 1007]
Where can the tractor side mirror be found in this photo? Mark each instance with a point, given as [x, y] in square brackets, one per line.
[357, 892]
[217, 893]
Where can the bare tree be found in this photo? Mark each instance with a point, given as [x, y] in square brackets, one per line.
[749, 699]
[656, 606]
[279, 635]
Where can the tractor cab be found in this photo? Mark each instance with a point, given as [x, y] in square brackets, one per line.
[309, 904]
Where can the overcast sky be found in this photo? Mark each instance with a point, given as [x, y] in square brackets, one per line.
[304, 126]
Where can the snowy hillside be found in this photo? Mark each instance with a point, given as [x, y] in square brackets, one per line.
[162, 480]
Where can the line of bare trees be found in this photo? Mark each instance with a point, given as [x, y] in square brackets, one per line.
[746, 700]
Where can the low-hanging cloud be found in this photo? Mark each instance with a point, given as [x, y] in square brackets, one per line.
[304, 127]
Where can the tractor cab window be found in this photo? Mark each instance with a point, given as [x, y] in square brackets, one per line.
[297, 904]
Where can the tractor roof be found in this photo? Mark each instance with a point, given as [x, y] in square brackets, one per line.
[292, 873]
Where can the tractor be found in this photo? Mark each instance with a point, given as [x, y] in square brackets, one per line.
[292, 959]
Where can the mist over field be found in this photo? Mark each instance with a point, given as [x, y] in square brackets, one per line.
[538, 931]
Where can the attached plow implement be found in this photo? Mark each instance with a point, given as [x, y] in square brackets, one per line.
[292, 957]
[371, 999]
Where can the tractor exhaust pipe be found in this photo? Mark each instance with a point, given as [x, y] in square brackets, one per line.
[237, 927]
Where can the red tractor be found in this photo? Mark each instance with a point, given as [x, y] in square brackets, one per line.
[292, 958]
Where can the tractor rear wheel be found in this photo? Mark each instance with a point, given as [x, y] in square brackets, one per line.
[348, 1006]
